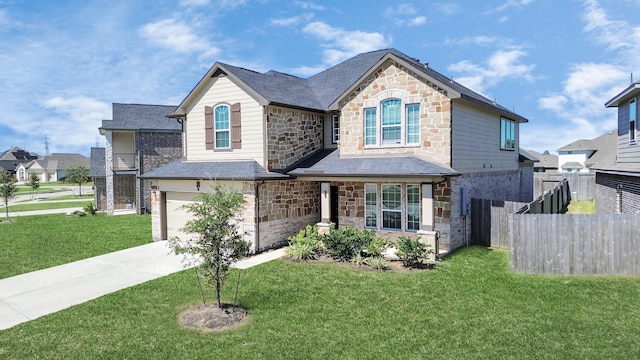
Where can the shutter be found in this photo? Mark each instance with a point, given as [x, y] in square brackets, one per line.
[236, 138]
[208, 127]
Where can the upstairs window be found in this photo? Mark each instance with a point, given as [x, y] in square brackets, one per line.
[507, 134]
[222, 126]
[396, 124]
[632, 120]
[335, 128]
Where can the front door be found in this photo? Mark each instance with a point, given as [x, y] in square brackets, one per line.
[334, 205]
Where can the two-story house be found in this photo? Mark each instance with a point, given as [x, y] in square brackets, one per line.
[139, 139]
[618, 181]
[581, 155]
[380, 141]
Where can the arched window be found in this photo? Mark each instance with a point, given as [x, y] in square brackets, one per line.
[397, 124]
[391, 121]
[222, 127]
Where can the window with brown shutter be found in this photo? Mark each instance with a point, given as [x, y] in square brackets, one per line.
[236, 138]
[208, 127]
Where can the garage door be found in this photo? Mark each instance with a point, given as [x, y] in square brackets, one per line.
[176, 216]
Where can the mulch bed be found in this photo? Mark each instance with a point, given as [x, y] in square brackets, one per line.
[212, 318]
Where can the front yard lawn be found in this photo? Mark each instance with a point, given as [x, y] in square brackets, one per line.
[29, 243]
[47, 206]
[582, 207]
[470, 306]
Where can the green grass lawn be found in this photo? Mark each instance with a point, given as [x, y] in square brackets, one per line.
[46, 206]
[43, 190]
[470, 306]
[31, 243]
[69, 197]
[582, 207]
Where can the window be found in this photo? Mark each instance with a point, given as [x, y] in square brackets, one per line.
[413, 207]
[370, 206]
[507, 134]
[392, 207]
[391, 122]
[335, 128]
[395, 126]
[413, 123]
[632, 120]
[222, 127]
[370, 136]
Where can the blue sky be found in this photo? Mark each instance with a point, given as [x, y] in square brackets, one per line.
[65, 62]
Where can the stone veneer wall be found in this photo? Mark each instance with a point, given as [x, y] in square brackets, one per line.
[291, 135]
[607, 201]
[497, 185]
[286, 206]
[155, 149]
[100, 193]
[124, 190]
[393, 80]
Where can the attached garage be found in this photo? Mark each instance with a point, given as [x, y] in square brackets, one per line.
[177, 216]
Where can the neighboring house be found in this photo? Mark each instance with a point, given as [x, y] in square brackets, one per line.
[139, 139]
[581, 155]
[380, 141]
[546, 162]
[97, 172]
[51, 167]
[12, 158]
[618, 181]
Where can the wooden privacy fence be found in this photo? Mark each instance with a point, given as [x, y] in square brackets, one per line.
[583, 186]
[574, 244]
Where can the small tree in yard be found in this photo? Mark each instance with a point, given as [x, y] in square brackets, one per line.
[34, 184]
[7, 189]
[216, 243]
[77, 175]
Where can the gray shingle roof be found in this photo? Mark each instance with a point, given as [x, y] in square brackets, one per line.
[320, 91]
[98, 166]
[141, 117]
[548, 161]
[16, 153]
[213, 170]
[333, 165]
[63, 161]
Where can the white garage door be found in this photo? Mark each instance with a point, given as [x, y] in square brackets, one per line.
[176, 216]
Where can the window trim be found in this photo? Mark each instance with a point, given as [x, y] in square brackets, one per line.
[633, 118]
[216, 130]
[335, 129]
[507, 134]
[404, 105]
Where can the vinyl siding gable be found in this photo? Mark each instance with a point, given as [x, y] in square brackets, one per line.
[247, 135]
[628, 152]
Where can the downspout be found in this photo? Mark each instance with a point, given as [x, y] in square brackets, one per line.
[257, 210]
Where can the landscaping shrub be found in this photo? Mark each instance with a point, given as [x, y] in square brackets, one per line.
[344, 243]
[412, 251]
[377, 262]
[90, 209]
[306, 245]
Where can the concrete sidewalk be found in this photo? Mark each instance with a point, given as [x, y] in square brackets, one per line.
[28, 296]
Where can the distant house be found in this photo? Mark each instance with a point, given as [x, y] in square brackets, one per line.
[139, 139]
[618, 181]
[10, 159]
[580, 156]
[546, 162]
[380, 141]
[97, 172]
[51, 167]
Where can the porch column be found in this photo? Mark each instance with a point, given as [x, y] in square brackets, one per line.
[109, 171]
[325, 208]
[427, 232]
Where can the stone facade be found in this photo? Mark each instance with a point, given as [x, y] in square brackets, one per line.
[435, 113]
[100, 193]
[610, 201]
[155, 149]
[291, 135]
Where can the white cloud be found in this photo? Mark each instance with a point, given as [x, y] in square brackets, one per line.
[404, 14]
[480, 40]
[178, 37]
[309, 5]
[342, 44]
[290, 21]
[615, 34]
[194, 2]
[417, 21]
[554, 102]
[512, 3]
[448, 8]
[500, 66]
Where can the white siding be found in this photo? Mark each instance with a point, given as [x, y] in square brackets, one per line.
[223, 90]
[476, 140]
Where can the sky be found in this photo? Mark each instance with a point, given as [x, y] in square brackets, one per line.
[63, 63]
